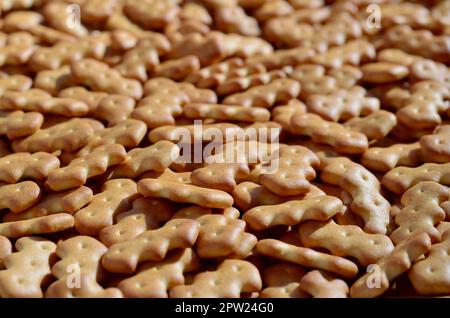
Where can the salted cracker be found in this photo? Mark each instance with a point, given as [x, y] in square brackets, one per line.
[174, 191]
[145, 214]
[23, 165]
[345, 241]
[152, 245]
[27, 268]
[116, 196]
[399, 261]
[76, 173]
[291, 213]
[231, 278]
[79, 255]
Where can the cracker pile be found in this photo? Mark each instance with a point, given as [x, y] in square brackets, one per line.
[97, 198]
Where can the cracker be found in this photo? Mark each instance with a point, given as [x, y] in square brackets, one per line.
[5, 250]
[298, 29]
[18, 82]
[375, 126]
[19, 196]
[345, 241]
[178, 69]
[194, 212]
[421, 42]
[54, 203]
[100, 77]
[63, 53]
[41, 225]
[156, 157]
[233, 19]
[306, 257]
[295, 168]
[169, 175]
[57, 15]
[23, 165]
[412, 14]
[27, 268]
[152, 245]
[282, 281]
[321, 284]
[69, 136]
[387, 158]
[221, 176]
[151, 14]
[314, 80]
[397, 56]
[293, 212]
[354, 53]
[229, 70]
[281, 58]
[76, 173]
[242, 46]
[240, 84]
[361, 192]
[428, 276]
[226, 112]
[97, 11]
[114, 109]
[334, 134]
[220, 236]
[346, 76]
[282, 114]
[18, 124]
[248, 195]
[427, 101]
[250, 151]
[18, 48]
[195, 11]
[92, 99]
[421, 211]
[342, 104]
[128, 133]
[145, 214]
[159, 110]
[53, 81]
[31, 22]
[17, 5]
[399, 261]
[208, 48]
[117, 20]
[164, 99]
[174, 191]
[185, 91]
[383, 72]
[425, 69]
[400, 179]
[435, 147]
[83, 253]
[231, 278]
[178, 133]
[155, 279]
[276, 92]
[143, 58]
[115, 197]
[271, 9]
